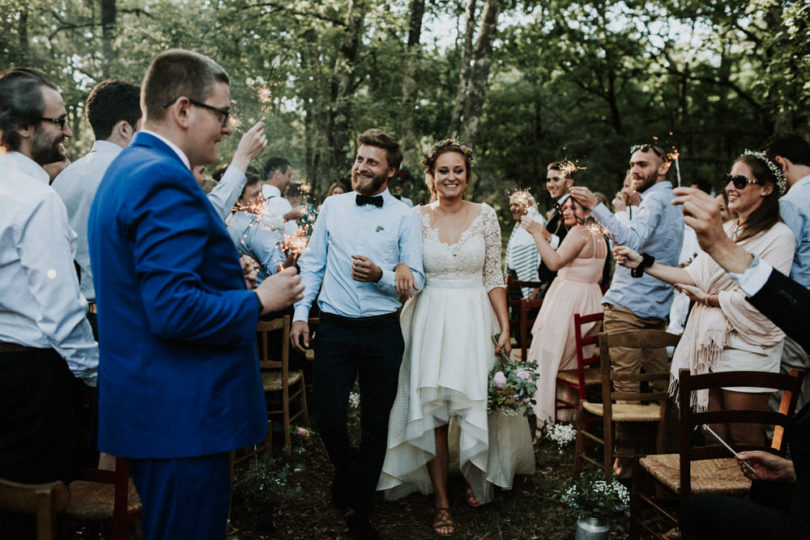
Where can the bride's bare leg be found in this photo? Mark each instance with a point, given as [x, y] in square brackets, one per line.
[437, 469]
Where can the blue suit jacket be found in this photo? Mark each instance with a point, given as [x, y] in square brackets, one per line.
[178, 373]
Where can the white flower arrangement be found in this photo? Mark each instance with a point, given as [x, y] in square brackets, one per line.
[591, 496]
[562, 434]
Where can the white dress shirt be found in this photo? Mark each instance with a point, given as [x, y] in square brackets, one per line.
[40, 302]
[77, 186]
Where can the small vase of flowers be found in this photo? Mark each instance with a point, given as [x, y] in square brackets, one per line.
[597, 502]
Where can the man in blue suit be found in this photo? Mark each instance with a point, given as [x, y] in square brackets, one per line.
[179, 382]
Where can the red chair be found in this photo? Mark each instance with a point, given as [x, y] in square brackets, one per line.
[584, 375]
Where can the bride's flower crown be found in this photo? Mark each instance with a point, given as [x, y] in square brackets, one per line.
[448, 144]
[775, 169]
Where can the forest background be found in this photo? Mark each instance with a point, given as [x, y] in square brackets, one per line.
[523, 82]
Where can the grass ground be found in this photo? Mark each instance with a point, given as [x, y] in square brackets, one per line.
[290, 499]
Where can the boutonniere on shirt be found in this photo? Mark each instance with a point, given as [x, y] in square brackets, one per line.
[379, 228]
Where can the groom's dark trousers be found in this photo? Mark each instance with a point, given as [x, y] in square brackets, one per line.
[372, 348]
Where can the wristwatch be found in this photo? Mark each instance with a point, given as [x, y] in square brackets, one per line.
[646, 261]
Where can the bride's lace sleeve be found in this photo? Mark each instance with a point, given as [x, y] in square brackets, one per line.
[492, 240]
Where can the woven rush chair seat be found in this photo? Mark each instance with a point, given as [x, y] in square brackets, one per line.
[721, 476]
[272, 381]
[94, 501]
[592, 376]
[627, 412]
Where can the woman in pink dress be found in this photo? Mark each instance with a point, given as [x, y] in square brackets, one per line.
[579, 260]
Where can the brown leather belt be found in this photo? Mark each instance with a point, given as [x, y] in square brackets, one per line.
[15, 347]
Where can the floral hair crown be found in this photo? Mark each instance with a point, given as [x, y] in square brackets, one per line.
[773, 167]
[451, 144]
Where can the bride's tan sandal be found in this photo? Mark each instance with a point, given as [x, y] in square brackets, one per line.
[443, 523]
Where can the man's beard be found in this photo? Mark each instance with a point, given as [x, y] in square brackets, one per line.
[641, 185]
[368, 189]
[45, 148]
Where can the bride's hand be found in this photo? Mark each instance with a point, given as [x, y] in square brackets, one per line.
[626, 257]
[403, 280]
[504, 344]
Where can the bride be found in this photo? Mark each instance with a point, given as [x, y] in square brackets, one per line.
[447, 329]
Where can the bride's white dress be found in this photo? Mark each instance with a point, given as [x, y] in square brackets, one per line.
[448, 354]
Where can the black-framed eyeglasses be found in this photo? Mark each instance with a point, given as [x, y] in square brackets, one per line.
[738, 180]
[646, 148]
[225, 114]
[60, 121]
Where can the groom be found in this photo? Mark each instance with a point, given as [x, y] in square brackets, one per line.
[358, 240]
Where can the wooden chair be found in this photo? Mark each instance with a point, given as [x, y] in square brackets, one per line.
[41, 500]
[277, 377]
[99, 496]
[644, 406]
[584, 375]
[519, 313]
[661, 481]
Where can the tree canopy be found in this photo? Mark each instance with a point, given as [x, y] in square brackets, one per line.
[524, 82]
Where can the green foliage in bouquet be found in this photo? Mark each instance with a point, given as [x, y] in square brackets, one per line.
[512, 386]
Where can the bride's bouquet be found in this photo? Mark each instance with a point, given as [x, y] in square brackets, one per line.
[512, 386]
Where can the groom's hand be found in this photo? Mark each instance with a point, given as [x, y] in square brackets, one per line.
[365, 270]
[299, 336]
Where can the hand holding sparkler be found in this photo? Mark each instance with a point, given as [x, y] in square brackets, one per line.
[249, 271]
[251, 145]
[535, 228]
[584, 197]
[760, 465]
[627, 257]
[280, 290]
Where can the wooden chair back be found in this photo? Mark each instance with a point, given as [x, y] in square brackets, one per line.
[519, 312]
[41, 500]
[584, 362]
[789, 383]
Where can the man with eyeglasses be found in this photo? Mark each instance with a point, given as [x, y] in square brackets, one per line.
[179, 380]
[639, 302]
[45, 340]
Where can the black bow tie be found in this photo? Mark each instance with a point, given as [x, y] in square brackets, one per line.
[363, 199]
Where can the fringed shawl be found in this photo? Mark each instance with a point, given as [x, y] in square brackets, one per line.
[708, 328]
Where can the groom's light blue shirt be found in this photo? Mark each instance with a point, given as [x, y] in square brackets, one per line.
[387, 235]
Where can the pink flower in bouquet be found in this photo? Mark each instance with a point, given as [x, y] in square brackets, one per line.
[500, 379]
[523, 374]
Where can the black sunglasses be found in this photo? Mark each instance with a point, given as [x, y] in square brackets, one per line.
[225, 114]
[646, 148]
[738, 180]
[61, 121]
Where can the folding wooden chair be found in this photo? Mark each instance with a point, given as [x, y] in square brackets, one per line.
[584, 375]
[41, 500]
[645, 406]
[661, 481]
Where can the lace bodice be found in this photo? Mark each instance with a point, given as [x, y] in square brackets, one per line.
[477, 252]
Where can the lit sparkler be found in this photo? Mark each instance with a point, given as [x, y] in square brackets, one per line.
[595, 228]
[674, 155]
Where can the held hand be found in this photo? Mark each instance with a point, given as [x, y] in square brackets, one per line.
[365, 270]
[702, 213]
[504, 343]
[695, 294]
[249, 271]
[299, 336]
[280, 290]
[769, 467]
[584, 197]
[251, 145]
[626, 257]
[403, 279]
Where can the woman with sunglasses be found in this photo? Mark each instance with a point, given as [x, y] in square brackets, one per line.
[724, 332]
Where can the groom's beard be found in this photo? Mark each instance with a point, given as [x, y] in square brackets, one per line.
[367, 184]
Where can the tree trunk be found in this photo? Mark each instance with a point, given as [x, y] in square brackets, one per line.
[460, 106]
[410, 84]
[22, 32]
[108, 14]
[479, 77]
[338, 135]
